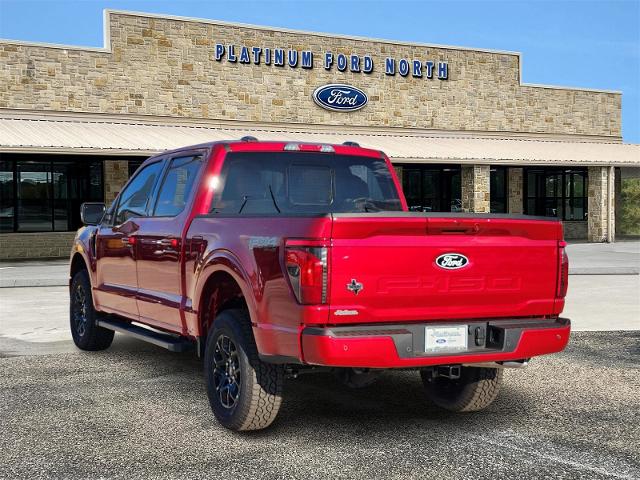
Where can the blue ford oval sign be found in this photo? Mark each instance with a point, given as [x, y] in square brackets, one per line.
[340, 98]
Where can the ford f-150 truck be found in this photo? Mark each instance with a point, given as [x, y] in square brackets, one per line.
[272, 259]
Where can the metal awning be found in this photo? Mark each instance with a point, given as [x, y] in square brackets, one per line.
[96, 135]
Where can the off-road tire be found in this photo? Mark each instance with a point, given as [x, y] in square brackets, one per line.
[260, 384]
[86, 334]
[475, 390]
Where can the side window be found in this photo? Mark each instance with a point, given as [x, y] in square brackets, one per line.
[176, 187]
[135, 197]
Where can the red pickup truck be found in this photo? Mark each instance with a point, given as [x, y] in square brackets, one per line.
[272, 259]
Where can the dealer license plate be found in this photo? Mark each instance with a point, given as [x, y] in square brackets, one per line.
[445, 339]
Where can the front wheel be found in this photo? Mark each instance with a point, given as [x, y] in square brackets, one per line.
[82, 316]
[475, 390]
[244, 392]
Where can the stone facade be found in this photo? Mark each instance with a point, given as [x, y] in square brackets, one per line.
[161, 66]
[167, 67]
[116, 174]
[515, 186]
[18, 246]
[475, 188]
[575, 230]
[600, 216]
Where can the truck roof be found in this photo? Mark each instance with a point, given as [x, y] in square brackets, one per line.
[250, 144]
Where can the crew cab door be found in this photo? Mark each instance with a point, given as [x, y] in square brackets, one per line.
[159, 243]
[117, 283]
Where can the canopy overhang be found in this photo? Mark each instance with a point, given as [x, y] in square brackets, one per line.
[102, 135]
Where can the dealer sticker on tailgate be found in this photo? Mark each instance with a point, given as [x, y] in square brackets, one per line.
[445, 339]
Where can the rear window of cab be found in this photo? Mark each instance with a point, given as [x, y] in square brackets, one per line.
[304, 182]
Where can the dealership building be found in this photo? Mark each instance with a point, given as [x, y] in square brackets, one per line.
[462, 129]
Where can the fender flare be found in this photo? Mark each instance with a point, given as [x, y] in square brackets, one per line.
[78, 250]
[226, 261]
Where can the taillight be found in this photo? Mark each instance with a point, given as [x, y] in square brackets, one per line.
[307, 270]
[563, 271]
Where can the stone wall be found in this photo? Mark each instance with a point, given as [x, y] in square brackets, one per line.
[167, 67]
[116, 174]
[575, 230]
[475, 188]
[18, 246]
[515, 188]
[598, 207]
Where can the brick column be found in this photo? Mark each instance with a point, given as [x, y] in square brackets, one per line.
[116, 174]
[515, 188]
[601, 201]
[475, 188]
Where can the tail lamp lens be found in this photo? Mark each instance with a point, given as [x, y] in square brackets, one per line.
[563, 272]
[307, 270]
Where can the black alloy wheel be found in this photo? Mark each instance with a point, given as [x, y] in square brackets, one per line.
[87, 335]
[226, 371]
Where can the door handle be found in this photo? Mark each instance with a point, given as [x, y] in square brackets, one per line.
[169, 242]
[196, 246]
[128, 241]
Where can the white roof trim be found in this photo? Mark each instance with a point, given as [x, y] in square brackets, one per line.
[121, 137]
[106, 48]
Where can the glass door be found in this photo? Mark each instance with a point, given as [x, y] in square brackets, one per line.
[432, 188]
[34, 197]
[7, 197]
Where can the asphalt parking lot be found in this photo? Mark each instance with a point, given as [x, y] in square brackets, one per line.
[139, 412]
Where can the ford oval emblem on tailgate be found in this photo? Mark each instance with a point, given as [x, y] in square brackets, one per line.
[340, 98]
[451, 261]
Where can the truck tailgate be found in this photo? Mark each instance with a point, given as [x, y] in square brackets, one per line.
[383, 268]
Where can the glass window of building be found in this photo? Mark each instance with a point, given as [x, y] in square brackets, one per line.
[7, 192]
[40, 193]
[432, 188]
[556, 192]
[498, 189]
[133, 165]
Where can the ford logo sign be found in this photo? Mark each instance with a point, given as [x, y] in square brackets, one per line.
[340, 98]
[452, 261]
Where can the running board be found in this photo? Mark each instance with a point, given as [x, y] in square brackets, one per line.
[172, 343]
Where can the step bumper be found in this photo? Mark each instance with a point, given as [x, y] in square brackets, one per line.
[403, 346]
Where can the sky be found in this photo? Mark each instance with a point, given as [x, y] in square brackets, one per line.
[577, 43]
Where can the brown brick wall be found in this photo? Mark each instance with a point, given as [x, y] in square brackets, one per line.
[18, 246]
[575, 230]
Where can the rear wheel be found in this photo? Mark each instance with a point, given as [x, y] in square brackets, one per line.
[475, 390]
[82, 316]
[244, 392]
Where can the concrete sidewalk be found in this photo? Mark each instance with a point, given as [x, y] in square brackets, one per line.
[620, 258]
[35, 273]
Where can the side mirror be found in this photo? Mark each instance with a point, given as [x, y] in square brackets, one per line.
[91, 213]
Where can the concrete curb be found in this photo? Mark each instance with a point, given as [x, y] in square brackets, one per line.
[62, 282]
[30, 282]
[604, 271]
